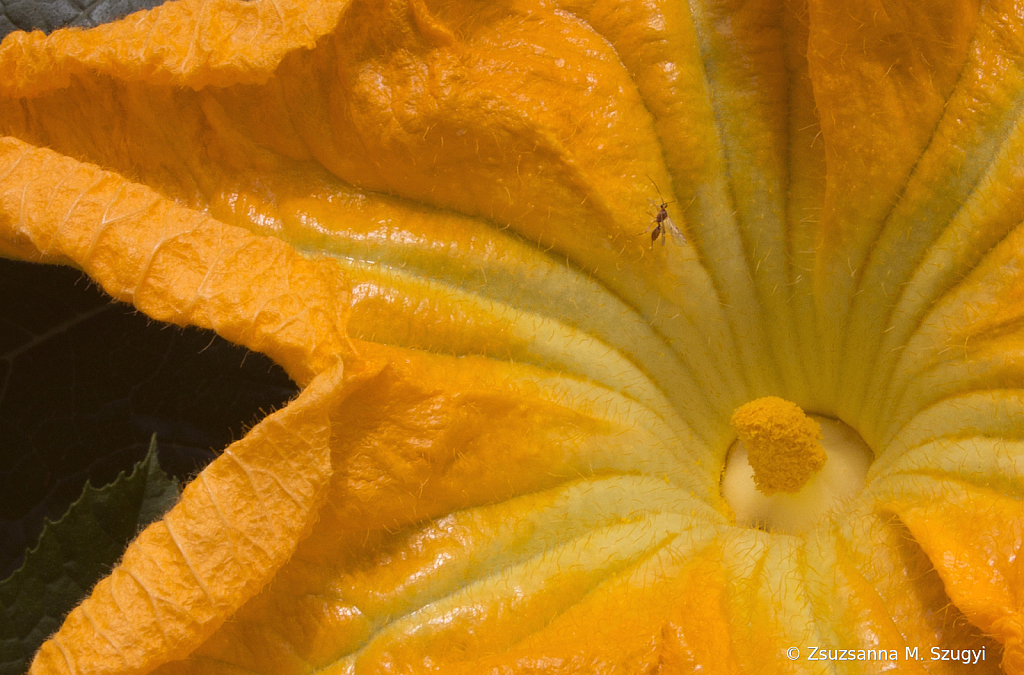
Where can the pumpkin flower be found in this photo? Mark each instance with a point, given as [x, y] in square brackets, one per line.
[632, 337]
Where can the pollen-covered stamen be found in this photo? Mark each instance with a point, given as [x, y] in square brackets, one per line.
[775, 476]
[783, 444]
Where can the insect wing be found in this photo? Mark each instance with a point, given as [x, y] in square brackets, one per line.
[677, 236]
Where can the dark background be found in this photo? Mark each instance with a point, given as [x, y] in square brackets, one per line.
[48, 15]
[84, 384]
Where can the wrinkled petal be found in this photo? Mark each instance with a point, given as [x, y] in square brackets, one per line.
[173, 263]
[975, 551]
[233, 528]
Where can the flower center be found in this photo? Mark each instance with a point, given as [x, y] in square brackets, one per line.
[788, 470]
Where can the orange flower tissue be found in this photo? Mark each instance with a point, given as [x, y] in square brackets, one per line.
[509, 449]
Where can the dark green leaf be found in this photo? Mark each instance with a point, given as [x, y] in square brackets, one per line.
[73, 554]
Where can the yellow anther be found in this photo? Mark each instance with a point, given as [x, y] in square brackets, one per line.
[783, 444]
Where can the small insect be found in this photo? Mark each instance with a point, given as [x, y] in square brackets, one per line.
[662, 225]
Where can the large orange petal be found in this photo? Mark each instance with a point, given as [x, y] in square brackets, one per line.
[882, 73]
[976, 552]
[176, 265]
[234, 526]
